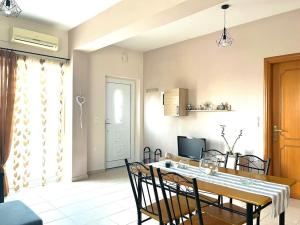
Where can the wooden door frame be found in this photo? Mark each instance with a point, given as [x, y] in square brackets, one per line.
[268, 96]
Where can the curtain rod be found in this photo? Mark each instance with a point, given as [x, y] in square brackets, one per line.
[32, 53]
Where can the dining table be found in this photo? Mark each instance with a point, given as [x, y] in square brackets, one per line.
[255, 201]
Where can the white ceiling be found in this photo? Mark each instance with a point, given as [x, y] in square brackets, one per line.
[208, 21]
[63, 13]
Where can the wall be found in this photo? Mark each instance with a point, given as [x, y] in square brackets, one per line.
[7, 22]
[233, 75]
[80, 71]
[108, 62]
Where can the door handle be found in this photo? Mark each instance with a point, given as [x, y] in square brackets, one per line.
[275, 129]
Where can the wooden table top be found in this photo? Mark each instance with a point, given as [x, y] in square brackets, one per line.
[243, 196]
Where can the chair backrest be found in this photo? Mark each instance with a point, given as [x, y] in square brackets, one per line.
[1, 187]
[213, 155]
[180, 195]
[252, 163]
[142, 182]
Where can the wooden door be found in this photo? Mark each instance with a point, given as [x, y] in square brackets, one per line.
[286, 121]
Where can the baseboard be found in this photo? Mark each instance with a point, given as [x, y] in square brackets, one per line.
[95, 171]
[80, 178]
[115, 163]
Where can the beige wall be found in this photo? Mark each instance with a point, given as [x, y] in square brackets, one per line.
[7, 22]
[80, 70]
[233, 75]
[108, 62]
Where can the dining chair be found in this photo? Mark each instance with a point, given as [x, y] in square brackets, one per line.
[213, 155]
[175, 186]
[253, 164]
[147, 194]
[194, 162]
[142, 187]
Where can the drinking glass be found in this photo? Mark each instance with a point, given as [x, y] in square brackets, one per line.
[215, 165]
[201, 163]
[183, 164]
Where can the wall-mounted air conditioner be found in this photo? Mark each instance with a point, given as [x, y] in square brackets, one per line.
[32, 38]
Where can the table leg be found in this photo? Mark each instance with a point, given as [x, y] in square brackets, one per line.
[282, 218]
[249, 214]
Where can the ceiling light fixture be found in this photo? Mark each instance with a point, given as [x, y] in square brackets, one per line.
[10, 8]
[225, 38]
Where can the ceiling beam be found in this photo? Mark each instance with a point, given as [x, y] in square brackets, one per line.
[130, 18]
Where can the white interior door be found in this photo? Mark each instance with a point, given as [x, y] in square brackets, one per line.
[118, 122]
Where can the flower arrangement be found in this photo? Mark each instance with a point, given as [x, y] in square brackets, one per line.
[230, 149]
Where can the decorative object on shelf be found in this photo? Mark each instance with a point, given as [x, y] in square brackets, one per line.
[80, 101]
[10, 8]
[230, 149]
[208, 106]
[225, 39]
[221, 106]
[224, 106]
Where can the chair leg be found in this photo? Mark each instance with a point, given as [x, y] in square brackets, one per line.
[220, 200]
[258, 219]
[139, 219]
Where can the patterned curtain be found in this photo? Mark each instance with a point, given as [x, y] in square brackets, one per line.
[7, 99]
[38, 129]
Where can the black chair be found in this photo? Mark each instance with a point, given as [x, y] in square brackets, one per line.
[174, 186]
[195, 162]
[213, 155]
[142, 186]
[146, 194]
[253, 164]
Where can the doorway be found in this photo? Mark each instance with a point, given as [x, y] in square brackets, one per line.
[119, 123]
[282, 113]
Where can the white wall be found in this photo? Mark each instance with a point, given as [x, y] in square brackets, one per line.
[6, 24]
[233, 75]
[108, 62]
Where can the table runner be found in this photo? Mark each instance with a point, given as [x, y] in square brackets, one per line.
[279, 193]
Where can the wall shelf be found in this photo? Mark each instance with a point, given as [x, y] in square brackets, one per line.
[205, 110]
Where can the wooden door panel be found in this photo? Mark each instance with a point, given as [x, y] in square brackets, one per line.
[286, 92]
[290, 116]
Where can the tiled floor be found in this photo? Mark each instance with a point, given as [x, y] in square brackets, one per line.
[104, 199]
